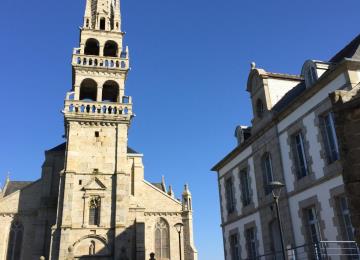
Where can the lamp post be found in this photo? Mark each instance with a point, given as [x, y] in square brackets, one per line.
[179, 227]
[276, 188]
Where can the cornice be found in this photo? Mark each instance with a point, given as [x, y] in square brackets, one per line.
[158, 213]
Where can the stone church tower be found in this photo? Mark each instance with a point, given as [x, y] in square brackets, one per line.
[92, 201]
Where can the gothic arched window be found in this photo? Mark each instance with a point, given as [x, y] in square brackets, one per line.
[94, 211]
[162, 240]
[15, 241]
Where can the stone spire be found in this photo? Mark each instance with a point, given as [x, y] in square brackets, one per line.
[186, 197]
[102, 15]
[171, 192]
[190, 248]
[7, 178]
[117, 15]
[163, 183]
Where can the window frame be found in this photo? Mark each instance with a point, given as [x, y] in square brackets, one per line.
[234, 246]
[267, 168]
[246, 194]
[346, 218]
[313, 225]
[162, 253]
[251, 243]
[300, 157]
[94, 211]
[15, 241]
[328, 131]
[230, 196]
[260, 108]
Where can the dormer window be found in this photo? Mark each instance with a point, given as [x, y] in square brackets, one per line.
[309, 72]
[313, 74]
[260, 109]
[242, 133]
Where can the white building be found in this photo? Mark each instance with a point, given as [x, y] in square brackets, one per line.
[292, 140]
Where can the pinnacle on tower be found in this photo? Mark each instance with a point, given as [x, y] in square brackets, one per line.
[186, 197]
[102, 15]
[94, 94]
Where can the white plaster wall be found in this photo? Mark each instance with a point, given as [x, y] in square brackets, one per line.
[286, 162]
[223, 199]
[253, 181]
[320, 72]
[322, 191]
[238, 159]
[237, 193]
[278, 88]
[337, 83]
[240, 226]
[315, 147]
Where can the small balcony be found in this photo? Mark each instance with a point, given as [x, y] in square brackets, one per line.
[111, 110]
[100, 62]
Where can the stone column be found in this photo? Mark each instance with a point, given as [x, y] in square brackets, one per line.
[101, 50]
[77, 92]
[99, 94]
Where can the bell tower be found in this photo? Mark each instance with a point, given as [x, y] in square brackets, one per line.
[95, 183]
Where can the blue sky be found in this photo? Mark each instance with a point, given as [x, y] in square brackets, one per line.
[190, 60]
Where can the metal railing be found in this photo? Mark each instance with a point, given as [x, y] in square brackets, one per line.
[324, 250]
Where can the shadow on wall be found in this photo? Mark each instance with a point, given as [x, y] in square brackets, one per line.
[30, 229]
[97, 247]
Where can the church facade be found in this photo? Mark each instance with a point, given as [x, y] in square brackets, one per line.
[92, 201]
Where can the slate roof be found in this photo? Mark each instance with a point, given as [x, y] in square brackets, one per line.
[290, 96]
[352, 50]
[159, 186]
[130, 150]
[62, 147]
[59, 148]
[14, 186]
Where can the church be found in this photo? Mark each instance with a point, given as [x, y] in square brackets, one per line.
[92, 201]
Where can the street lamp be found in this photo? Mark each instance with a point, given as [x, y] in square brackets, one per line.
[276, 188]
[179, 227]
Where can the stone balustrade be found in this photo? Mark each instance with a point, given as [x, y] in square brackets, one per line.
[100, 62]
[79, 107]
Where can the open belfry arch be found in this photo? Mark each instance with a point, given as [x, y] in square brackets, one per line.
[92, 201]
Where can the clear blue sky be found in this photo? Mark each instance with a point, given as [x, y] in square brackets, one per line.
[190, 61]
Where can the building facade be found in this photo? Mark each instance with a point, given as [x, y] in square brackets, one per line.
[92, 201]
[295, 139]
